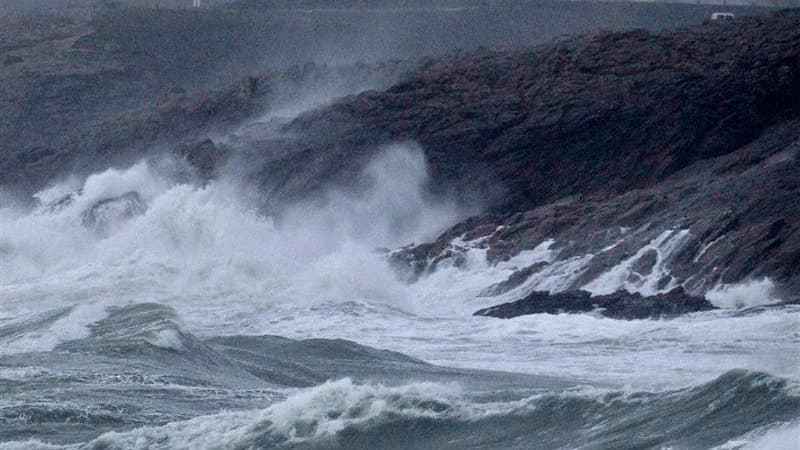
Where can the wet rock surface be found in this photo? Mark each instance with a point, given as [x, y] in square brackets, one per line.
[683, 141]
[205, 156]
[658, 160]
[514, 280]
[595, 115]
[618, 305]
[84, 86]
[108, 213]
[720, 221]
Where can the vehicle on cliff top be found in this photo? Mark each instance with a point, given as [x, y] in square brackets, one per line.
[722, 16]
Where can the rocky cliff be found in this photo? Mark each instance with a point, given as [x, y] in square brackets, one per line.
[650, 160]
[604, 113]
[640, 160]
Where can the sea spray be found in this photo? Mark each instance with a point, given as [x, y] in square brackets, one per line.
[743, 295]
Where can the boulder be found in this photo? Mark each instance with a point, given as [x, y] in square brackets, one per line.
[104, 215]
[626, 305]
[618, 305]
[539, 302]
[205, 156]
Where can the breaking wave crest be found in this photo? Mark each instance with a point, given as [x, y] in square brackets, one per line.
[133, 235]
[344, 414]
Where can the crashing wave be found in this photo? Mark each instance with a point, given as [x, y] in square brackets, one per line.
[344, 414]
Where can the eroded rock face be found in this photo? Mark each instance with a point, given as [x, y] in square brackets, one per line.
[595, 115]
[538, 302]
[626, 305]
[719, 221]
[514, 280]
[205, 157]
[668, 159]
[618, 305]
[103, 216]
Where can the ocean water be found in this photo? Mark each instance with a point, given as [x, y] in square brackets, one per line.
[144, 333]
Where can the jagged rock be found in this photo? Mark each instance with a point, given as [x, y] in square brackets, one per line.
[514, 280]
[576, 140]
[61, 203]
[626, 305]
[644, 265]
[695, 128]
[105, 214]
[740, 212]
[542, 303]
[618, 305]
[594, 115]
[205, 156]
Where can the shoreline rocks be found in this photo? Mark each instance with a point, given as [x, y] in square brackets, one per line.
[618, 305]
[108, 213]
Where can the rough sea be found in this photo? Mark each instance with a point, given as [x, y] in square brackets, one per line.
[181, 317]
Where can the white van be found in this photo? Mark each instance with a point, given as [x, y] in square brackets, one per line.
[722, 16]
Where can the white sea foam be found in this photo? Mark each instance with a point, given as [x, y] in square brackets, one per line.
[786, 437]
[71, 326]
[333, 406]
[773, 437]
[623, 275]
[22, 373]
[312, 414]
[31, 444]
[743, 295]
[169, 339]
[307, 415]
[201, 248]
[228, 270]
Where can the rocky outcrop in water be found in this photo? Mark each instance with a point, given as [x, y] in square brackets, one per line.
[618, 305]
[105, 214]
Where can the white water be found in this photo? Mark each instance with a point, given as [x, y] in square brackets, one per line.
[227, 270]
[781, 437]
[312, 413]
[743, 295]
[618, 277]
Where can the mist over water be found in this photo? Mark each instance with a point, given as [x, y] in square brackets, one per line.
[199, 245]
[321, 271]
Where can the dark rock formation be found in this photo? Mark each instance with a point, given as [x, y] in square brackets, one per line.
[688, 140]
[82, 90]
[618, 305]
[625, 305]
[205, 156]
[607, 143]
[542, 303]
[514, 280]
[595, 115]
[84, 80]
[102, 216]
[740, 215]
